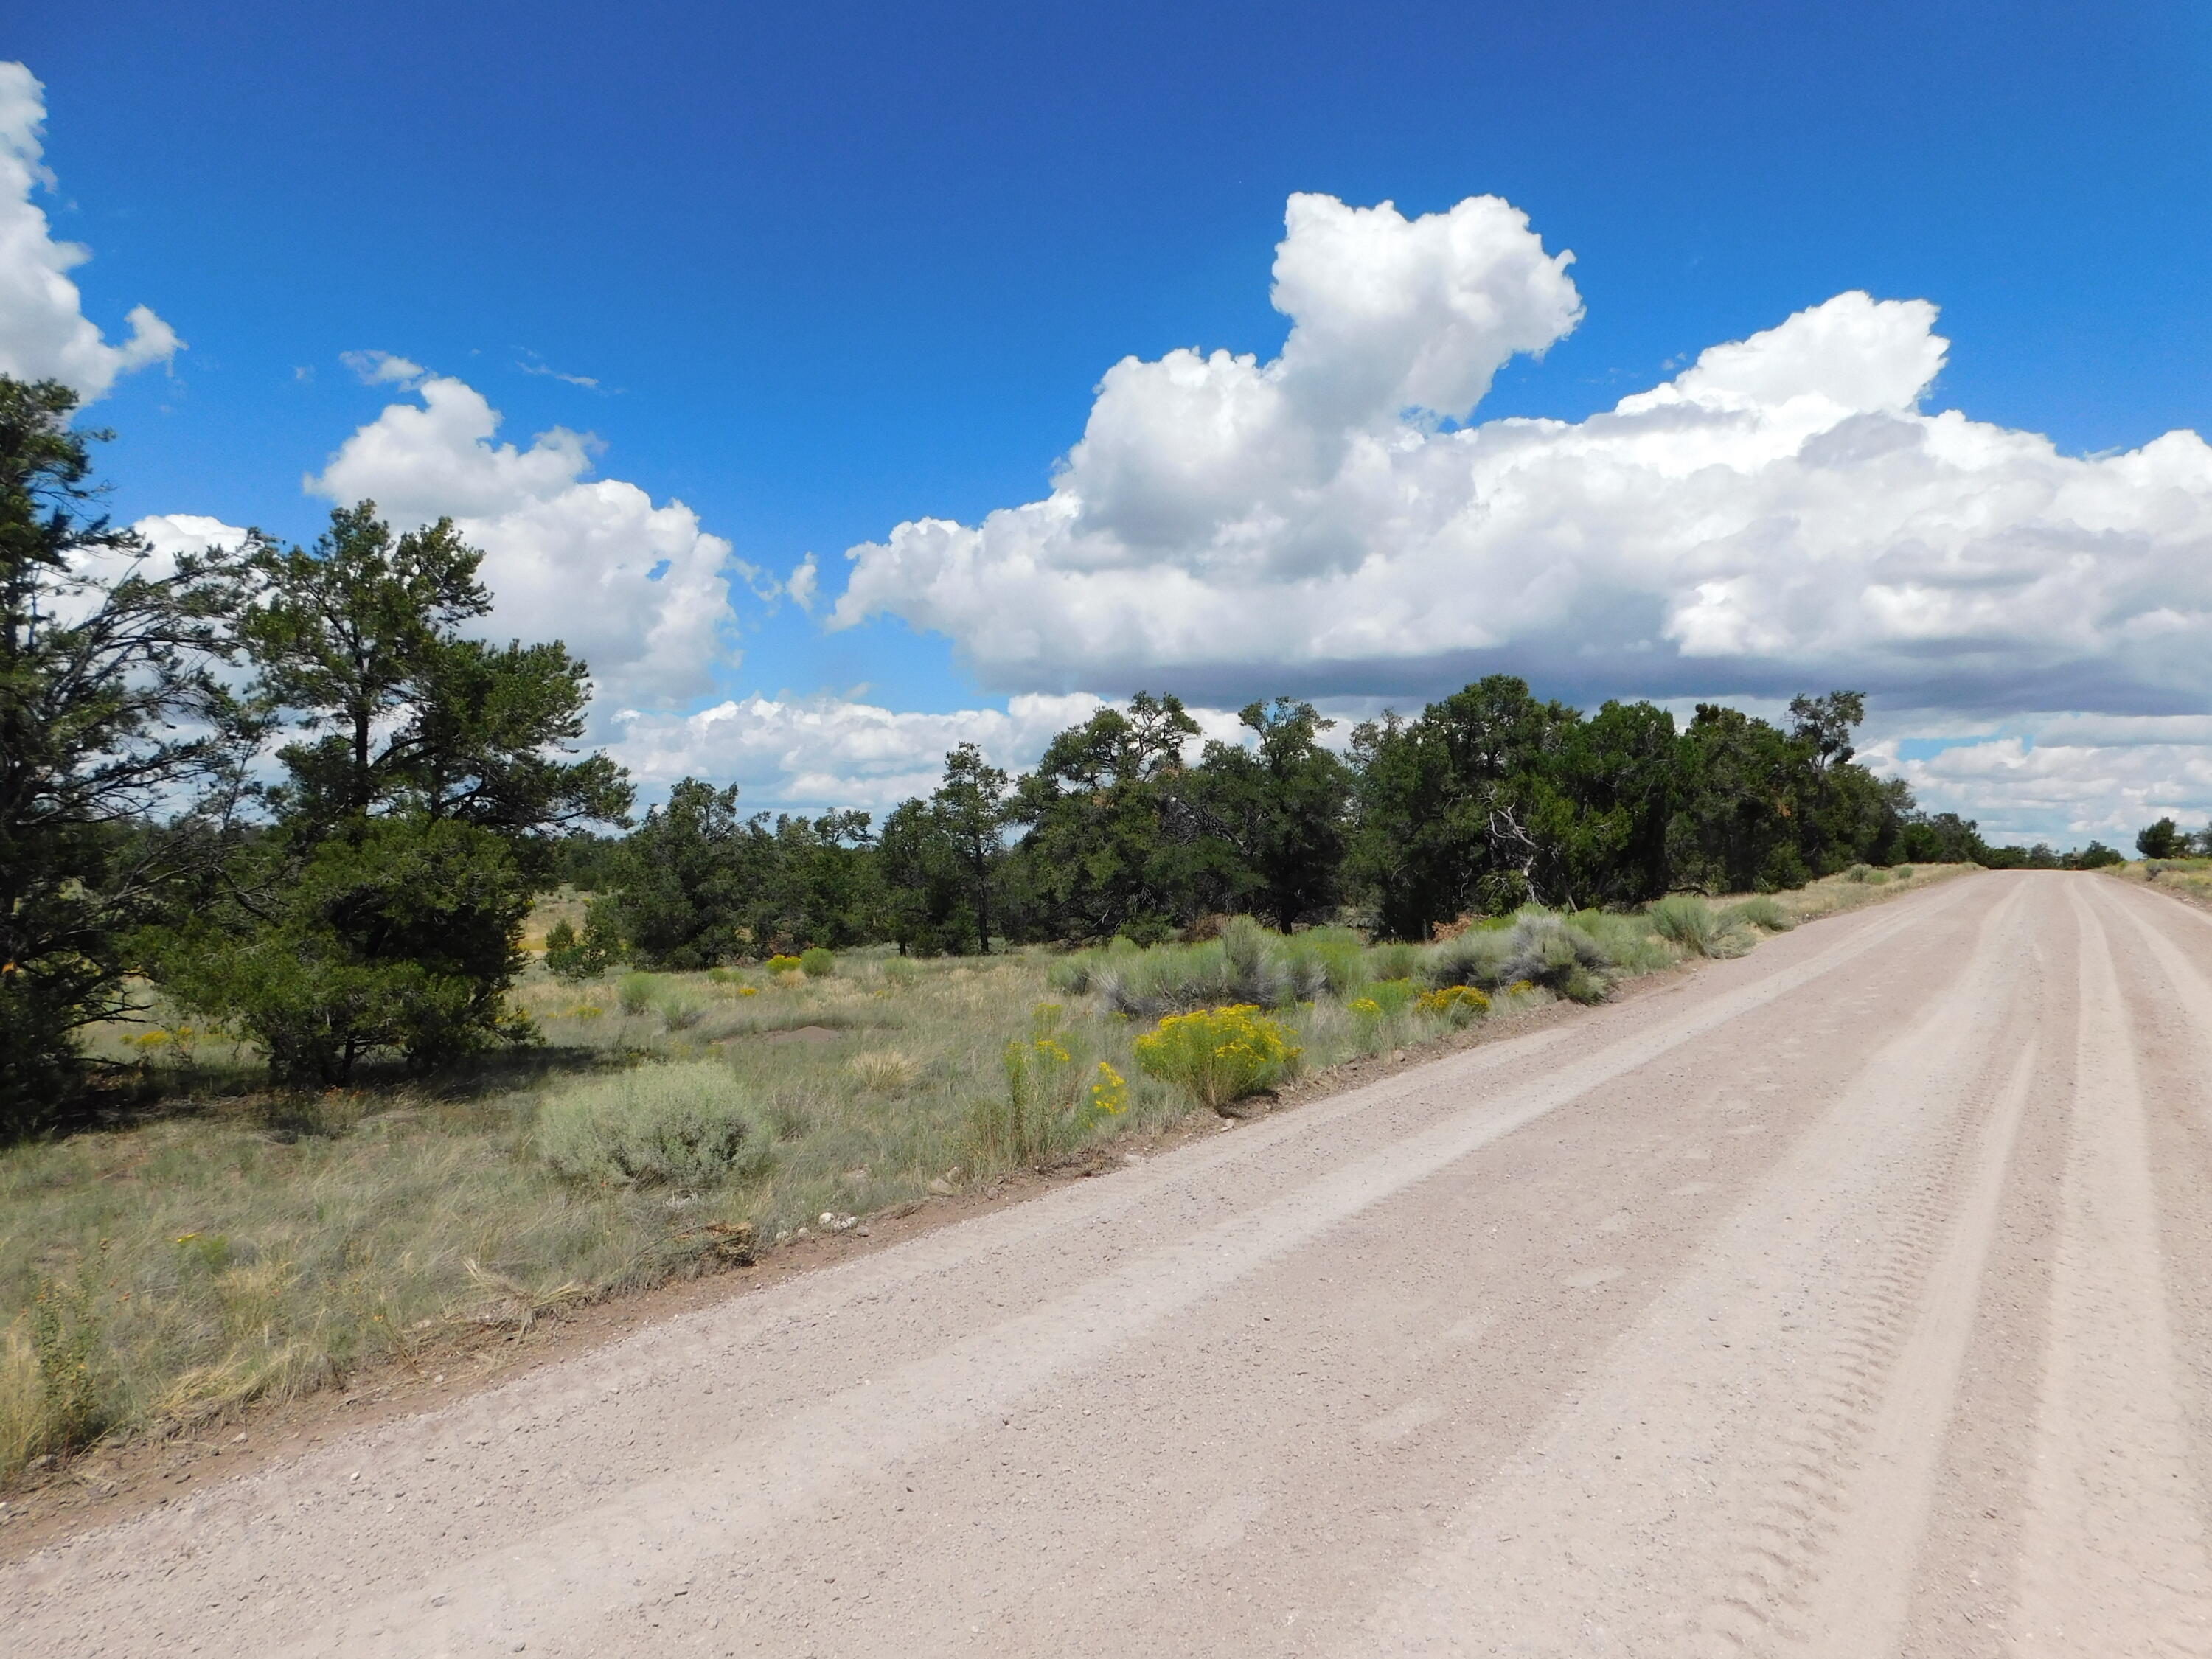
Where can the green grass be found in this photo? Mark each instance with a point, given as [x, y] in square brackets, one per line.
[229, 1243]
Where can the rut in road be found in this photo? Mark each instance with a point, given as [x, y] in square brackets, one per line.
[1842, 1299]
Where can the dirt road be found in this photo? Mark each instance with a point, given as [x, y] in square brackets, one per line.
[1852, 1299]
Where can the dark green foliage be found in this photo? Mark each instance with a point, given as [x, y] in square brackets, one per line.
[682, 877]
[1110, 846]
[577, 956]
[2162, 840]
[1941, 838]
[970, 809]
[394, 933]
[1492, 799]
[110, 713]
[2096, 856]
[585, 860]
[941, 859]
[1281, 810]
[360, 635]
[696, 885]
[1738, 828]
[822, 885]
[418, 814]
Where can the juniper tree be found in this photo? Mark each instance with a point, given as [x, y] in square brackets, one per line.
[430, 775]
[120, 744]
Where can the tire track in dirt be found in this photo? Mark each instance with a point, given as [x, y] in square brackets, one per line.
[1685, 1502]
[2114, 1554]
[1859, 1608]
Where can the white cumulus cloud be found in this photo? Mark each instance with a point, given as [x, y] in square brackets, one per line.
[44, 333]
[1782, 515]
[836, 752]
[639, 589]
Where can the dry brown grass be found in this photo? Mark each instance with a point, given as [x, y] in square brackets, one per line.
[239, 1245]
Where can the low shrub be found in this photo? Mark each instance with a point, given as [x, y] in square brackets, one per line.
[1904, 872]
[1045, 1073]
[1397, 961]
[685, 1125]
[1760, 912]
[1539, 948]
[1391, 996]
[1246, 965]
[898, 971]
[1859, 873]
[783, 964]
[63, 1344]
[637, 992]
[1455, 1003]
[680, 1007]
[817, 962]
[1109, 1091]
[1330, 958]
[1627, 942]
[1694, 925]
[721, 976]
[1220, 1054]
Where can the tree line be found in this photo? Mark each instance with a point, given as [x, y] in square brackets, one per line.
[286, 787]
[1488, 800]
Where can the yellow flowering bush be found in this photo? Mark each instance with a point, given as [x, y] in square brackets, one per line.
[1045, 1085]
[1220, 1055]
[1456, 1003]
[1109, 1091]
[180, 1042]
[783, 964]
[1365, 1007]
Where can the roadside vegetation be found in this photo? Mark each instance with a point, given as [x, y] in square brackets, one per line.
[240, 1241]
[2169, 858]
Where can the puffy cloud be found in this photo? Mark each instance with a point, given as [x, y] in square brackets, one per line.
[44, 333]
[1781, 515]
[639, 590]
[832, 751]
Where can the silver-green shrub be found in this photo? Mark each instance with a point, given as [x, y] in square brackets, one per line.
[690, 1125]
[1761, 912]
[637, 992]
[1539, 947]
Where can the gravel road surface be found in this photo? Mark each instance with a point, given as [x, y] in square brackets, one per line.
[1851, 1299]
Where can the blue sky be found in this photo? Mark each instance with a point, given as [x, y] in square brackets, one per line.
[840, 270]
